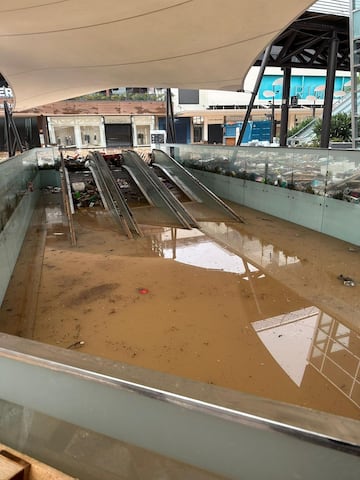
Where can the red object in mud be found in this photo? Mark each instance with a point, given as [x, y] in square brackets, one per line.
[143, 291]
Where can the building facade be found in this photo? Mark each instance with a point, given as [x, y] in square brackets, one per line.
[211, 112]
[109, 123]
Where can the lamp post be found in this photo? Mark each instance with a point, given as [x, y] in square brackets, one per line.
[271, 94]
[312, 99]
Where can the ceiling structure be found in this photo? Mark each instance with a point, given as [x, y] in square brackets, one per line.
[56, 49]
[307, 41]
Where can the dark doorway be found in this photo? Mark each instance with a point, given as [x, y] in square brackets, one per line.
[215, 133]
[28, 131]
[118, 135]
[182, 128]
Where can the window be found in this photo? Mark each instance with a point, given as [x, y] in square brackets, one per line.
[198, 133]
[188, 97]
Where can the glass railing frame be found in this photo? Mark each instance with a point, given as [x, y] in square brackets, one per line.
[234, 410]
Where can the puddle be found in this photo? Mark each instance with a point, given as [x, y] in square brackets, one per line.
[297, 339]
[212, 312]
[194, 247]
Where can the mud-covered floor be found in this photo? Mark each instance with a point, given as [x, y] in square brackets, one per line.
[255, 307]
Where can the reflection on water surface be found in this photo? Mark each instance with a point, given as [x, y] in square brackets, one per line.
[296, 339]
[213, 313]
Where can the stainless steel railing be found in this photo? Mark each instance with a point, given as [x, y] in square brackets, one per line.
[227, 433]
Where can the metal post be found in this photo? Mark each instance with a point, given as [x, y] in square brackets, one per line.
[329, 92]
[254, 93]
[170, 122]
[7, 130]
[285, 107]
[43, 130]
[12, 135]
[273, 124]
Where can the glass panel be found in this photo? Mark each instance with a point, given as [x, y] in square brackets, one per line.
[16, 176]
[310, 167]
[296, 169]
[356, 24]
[65, 136]
[198, 133]
[356, 52]
[143, 134]
[130, 418]
[90, 136]
[18, 195]
[343, 169]
[357, 126]
[84, 453]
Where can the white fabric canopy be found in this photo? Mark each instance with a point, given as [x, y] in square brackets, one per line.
[56, 49]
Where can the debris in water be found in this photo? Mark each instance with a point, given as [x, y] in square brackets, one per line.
[77, 344]
[143, 291]
[347, 281]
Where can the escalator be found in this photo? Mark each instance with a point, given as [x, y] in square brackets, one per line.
[154, 190]
[137, 193]
[112, 196]
[200, 195]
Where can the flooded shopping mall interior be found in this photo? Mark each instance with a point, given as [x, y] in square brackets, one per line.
[179, 252]
[138, 297]
[253, 305]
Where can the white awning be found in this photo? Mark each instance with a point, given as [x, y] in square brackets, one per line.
[56, 49]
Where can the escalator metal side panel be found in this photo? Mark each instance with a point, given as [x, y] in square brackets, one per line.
[191, 185]
[159, 195]
[114, 199]
[119, 198]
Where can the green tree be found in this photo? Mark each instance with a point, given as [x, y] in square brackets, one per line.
[340, 128]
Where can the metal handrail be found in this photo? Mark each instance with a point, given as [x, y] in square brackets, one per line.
[114, 197]
[192, 181]
[66, 195]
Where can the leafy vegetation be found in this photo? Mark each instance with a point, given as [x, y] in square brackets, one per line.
[132, 97]
[340, 128]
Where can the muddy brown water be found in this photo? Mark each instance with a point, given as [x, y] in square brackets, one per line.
[254, 307]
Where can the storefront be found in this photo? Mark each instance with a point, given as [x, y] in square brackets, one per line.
[142, 124]
[80, 131]
[99, 131]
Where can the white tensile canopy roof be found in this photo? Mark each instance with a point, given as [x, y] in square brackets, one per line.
[56, 49]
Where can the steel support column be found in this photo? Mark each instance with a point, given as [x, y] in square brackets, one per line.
[329, 91]
[254, 93]
[43, 131]
[285, 107]
[13, 141]
[170, 121]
